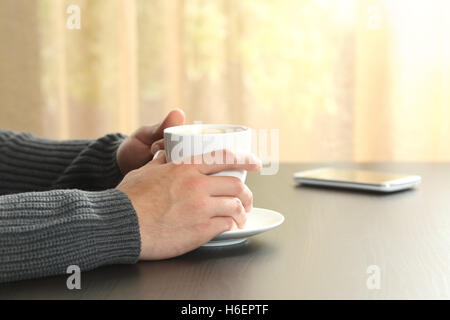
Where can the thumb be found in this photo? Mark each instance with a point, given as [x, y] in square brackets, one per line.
[150, 134]
[175, 117]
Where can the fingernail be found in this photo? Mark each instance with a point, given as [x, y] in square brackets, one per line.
[157, 154]
[155, 148]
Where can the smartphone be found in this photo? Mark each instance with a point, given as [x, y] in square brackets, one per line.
[357, 179]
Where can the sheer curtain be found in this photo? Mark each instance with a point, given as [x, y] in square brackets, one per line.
[343, 80]
[402, 88]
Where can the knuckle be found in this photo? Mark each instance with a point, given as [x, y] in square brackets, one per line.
[195, 183]
[249, 194]
[199, 204]
[244, 219]
[240, 187]
[237, 206]
[236, 184]
[182, 167]
[201, 228]
[249, 201]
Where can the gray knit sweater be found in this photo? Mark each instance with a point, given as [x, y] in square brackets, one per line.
[58, 206]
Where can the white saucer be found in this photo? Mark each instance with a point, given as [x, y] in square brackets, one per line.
[258, 220]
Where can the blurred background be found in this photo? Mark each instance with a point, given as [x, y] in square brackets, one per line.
[343, 80]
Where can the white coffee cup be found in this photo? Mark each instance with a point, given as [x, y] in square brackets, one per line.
[183, 142]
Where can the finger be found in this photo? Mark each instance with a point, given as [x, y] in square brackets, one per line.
[157, 145]
[228, 206]
[221, 160]
[149, 134]
[219, 225]
[230, 186]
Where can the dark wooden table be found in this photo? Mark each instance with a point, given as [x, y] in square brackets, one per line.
[322, 251]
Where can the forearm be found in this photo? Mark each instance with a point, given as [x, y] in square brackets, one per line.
[42, 233]
[30, 163]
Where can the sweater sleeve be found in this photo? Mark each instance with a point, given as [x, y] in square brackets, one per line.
[30, 163]
[42, 233]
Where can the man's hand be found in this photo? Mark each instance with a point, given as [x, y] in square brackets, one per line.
[180, 207]
[139, 148]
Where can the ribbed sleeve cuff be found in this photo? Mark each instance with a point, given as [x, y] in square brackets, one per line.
[45, 232]
[116, 237]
